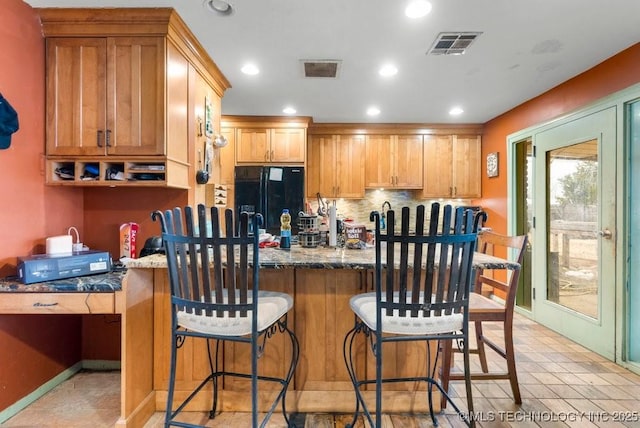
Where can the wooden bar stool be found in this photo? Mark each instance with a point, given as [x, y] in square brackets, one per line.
[483, 308]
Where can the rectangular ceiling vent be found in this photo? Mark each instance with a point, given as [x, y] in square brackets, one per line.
[452, 43]
[327, 68]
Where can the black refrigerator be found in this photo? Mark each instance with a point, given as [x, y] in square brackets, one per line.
[268, 190]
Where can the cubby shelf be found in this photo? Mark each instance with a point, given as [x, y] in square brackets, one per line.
[110, 172]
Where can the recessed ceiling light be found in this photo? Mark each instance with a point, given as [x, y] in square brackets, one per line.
[388, 70]
[289, 110]
[417, 9]
[250, 69]
[373, 111]
[219, 7]
[455, 111]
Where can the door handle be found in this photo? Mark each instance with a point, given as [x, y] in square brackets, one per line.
[605, 233]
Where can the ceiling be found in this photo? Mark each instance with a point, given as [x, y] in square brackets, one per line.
[526, 48]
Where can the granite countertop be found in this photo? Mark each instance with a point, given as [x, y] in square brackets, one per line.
[98, 283]
[319, 258]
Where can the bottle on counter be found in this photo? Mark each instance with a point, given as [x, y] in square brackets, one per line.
[285, 229]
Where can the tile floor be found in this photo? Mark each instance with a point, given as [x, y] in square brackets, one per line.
[562, 384]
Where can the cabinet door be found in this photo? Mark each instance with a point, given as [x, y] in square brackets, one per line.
[350, 153]
[323, 317]
[466, 166]
[288, 145]
[252, 145]
[321, 171]
[135, 101]
[76, 91]
[438, 158]
[408, 164]
[379, 171]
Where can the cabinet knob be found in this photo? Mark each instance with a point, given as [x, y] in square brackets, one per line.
[108, 138]
[99, 138]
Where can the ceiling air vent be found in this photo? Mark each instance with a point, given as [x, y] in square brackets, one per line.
[452, 43]
[321, 68]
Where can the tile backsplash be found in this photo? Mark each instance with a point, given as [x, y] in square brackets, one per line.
[359, 209]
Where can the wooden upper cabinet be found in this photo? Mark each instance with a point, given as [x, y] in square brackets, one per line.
[322, 151]
[124, 91]
[467, 151]
[76, 94]
[349, 176]
[392, 161]
[438, 171]
[288, 145]
[252, 145]
[379, 169]
[271, 145]
[452, 166]
[105, 96]
[335, 167]
[408, 162]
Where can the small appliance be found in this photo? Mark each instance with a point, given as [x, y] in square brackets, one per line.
[48, 267]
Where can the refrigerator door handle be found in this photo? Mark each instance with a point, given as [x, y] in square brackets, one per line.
[264, 198]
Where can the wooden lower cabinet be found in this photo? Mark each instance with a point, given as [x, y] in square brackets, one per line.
[321, 318]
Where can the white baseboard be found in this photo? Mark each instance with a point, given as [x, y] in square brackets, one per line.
[21, 404]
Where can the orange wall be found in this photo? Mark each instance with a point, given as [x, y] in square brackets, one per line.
[105, 209]
[614, 74]
[34, 348]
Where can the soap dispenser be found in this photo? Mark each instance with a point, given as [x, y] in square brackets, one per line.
[383, 224]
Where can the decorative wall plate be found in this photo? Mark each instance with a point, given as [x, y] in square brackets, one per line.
[492, 164]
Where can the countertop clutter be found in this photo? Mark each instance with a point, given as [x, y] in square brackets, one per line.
[314, 258]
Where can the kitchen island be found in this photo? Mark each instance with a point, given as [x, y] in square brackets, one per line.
[321, 280]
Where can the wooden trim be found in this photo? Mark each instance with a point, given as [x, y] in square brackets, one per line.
[104, 22]
[305, 401]
[393, 128]
[180, 35]
[265, 121]
[57, 303]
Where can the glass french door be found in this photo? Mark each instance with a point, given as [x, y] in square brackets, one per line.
[633, 308]
[575, 229]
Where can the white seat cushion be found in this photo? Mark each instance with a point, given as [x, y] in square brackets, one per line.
[364, 306]
[271, 306]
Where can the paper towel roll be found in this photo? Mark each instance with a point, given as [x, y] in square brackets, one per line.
[333, 226]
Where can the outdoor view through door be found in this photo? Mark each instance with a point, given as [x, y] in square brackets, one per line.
[574, 211]
[572, 254]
